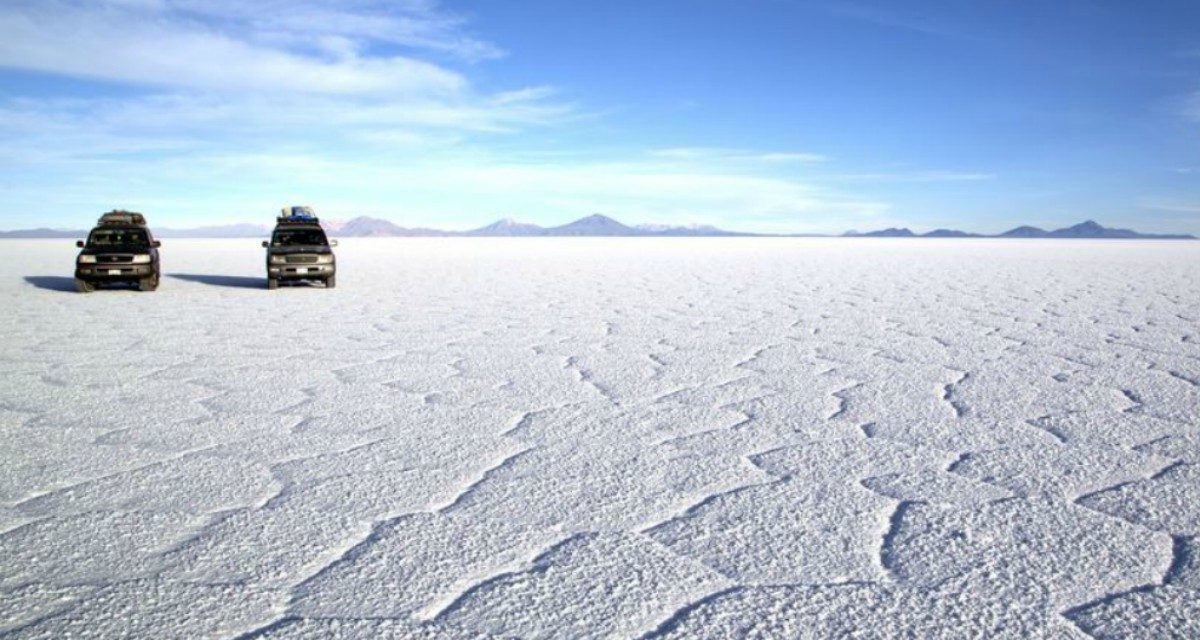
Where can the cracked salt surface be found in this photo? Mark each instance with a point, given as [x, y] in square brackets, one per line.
[639, 438]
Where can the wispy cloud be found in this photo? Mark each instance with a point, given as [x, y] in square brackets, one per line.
[1191, 106]
[160, 46]
[1174, 206]
[68, 129]
[905, 17]
[418, 24]
[468, 187]
[915, 176]
[735, 155]
[242, 73]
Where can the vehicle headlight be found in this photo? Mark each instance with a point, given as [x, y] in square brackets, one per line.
[87, 259]
[325, 259]
[141, 258]
[278, 259]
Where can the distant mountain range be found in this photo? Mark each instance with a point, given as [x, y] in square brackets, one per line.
[1089, 229]
[594, 226]
[365, 227]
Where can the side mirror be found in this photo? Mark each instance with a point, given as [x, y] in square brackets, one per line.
[79, 243]
[156, 244]
[266, 244]
[333, 243]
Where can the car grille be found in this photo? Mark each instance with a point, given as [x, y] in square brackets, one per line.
[301, 259]
[109, 259]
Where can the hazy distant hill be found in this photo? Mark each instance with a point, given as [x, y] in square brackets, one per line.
[1092, 229]
[892, 232]
[218, 231]
[593, 225]
[507, 227]
[364, 227]
[1024, 232]
[690, 230]
[949, 233]
[44, 233]
[1089, 229]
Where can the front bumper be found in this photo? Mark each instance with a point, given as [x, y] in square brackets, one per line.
[113, 272]
[310, 271]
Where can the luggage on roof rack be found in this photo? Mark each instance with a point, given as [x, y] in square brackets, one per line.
[297, 214]
[122, 217]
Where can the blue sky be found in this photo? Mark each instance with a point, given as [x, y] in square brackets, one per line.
[766, 115]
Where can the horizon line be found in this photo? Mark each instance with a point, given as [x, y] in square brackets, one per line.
[579, 227]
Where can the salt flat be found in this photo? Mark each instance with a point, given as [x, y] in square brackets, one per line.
[574, 438]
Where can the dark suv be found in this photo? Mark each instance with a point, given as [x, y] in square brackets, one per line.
[299, 251]
[119, 250]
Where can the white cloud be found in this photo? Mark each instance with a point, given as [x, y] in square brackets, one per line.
[218, 71]
[161, 48]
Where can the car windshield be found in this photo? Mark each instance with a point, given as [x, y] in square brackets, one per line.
[299, 238]
[118, 238]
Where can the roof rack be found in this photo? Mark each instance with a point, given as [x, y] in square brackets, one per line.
[121, 217]
[297, 215]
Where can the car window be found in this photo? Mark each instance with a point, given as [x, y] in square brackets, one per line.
[299, 237]
[118, 238]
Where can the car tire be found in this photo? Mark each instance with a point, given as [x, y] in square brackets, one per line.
[272, 283]
[330, 282]
[83, 286]
[148, 284]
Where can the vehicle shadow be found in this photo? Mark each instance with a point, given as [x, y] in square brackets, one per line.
[239, 282]
[52, 283]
